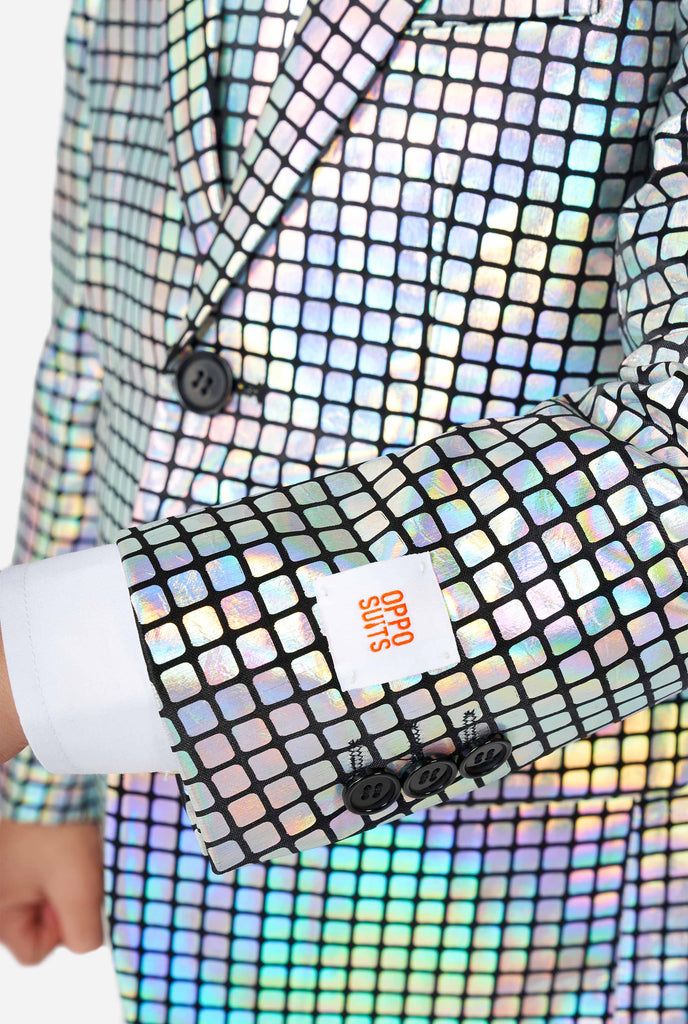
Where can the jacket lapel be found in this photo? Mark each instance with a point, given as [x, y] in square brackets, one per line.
[338, 47]
[191, 34]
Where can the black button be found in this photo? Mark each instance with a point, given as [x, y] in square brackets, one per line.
[370, 791]
[431, 775]
[204, 382]
[483, 759]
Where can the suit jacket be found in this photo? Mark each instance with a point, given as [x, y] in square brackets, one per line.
[442, 251]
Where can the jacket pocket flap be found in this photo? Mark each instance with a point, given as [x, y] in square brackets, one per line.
[504, 10]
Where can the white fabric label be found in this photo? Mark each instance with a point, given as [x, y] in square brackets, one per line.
[386, 621]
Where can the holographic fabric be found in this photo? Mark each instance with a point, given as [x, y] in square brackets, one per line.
[558, 912]
[454, 262]
[537, 521]
[554, 642]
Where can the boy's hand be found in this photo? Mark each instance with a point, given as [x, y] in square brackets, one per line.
[51, 888]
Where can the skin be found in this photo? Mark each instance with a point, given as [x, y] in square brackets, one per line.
[51, 888]
[51, 876]
[12, 738]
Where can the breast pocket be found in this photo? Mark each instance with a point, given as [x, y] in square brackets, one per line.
[466, 11]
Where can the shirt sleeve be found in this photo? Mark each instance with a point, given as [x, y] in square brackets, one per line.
[76, 670]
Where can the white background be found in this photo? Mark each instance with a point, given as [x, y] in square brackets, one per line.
[66, 989]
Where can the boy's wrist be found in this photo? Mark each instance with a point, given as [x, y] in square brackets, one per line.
[12, 738]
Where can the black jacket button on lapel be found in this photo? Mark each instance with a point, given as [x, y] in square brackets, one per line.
[204, 382]
[486, 757]
[430, 775]
[371, 790]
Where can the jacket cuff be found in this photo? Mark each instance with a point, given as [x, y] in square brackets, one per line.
[553, 641]
[276, 756]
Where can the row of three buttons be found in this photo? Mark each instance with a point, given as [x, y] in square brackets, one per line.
[374, 789]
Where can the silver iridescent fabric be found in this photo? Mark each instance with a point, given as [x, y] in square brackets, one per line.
[442, 247]
[410, 229]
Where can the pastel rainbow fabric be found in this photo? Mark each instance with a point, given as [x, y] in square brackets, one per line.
[469, 223]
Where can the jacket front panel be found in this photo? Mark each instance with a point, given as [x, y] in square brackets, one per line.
[514, 911]
[469, 914]
[449, 256]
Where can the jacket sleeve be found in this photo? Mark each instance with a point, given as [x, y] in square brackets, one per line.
[557, 537]
[58, 511]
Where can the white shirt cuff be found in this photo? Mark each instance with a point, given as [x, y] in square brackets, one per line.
[76, 668]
